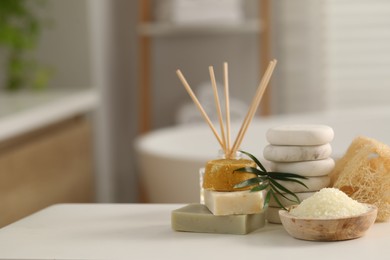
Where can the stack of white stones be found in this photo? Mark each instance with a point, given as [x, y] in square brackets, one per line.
[299, 149]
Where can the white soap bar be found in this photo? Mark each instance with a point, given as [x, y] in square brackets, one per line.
[300, 135]
[279, 153]
[313, 184]
[306, 168]
[234, 202]
[286, 203]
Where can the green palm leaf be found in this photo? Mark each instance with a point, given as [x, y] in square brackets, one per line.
[290, 179]
[262, 186]
[267, 199]
[250, 182]
[255, 160]
[280, 188]
[285, 174]
[268, 180]
[287, 198]
[250, 170]
[277, 200]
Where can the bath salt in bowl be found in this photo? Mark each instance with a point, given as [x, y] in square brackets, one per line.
[328, 215]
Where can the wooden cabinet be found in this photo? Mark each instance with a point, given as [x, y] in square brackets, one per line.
[46, 150]
[47, 166]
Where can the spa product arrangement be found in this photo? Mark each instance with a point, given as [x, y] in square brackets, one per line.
[239, 192]
[226, 209]
[301, 149]
[230, 205]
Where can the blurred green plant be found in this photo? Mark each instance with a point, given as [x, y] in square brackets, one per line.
[20, 29]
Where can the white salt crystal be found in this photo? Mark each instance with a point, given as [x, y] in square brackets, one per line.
[328, 203]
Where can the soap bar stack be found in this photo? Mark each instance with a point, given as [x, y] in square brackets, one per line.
[198, 218]
[220, 196]
[226, 209]
[299, 149]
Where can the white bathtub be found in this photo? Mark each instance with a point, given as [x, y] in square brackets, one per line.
[169, 159]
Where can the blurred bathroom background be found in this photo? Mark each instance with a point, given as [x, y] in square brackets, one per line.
[112, 79]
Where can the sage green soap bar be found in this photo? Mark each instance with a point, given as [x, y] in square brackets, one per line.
[197, 218]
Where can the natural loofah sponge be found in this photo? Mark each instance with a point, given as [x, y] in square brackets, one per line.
[363, 173]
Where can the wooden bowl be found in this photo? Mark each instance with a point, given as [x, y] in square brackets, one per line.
[328, 229]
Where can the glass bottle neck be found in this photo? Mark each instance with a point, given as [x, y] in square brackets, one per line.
[237, 155]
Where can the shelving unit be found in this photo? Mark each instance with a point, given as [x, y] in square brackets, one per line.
[147, 29]
[167, 29]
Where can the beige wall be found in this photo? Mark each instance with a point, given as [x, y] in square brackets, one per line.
[70, 47]
[65, 43]
[113, 48]
[193, 54]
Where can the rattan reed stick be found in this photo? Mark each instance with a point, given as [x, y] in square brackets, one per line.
[227, 107]
[218, 107]
[255, 103]
[197, 103]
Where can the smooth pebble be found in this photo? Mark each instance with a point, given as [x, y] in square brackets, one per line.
[305, 134]
[291, 201]
[272, 215]
[312, 183]
[306, 168]
[281, 153]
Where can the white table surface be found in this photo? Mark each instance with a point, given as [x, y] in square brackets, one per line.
[143, 231]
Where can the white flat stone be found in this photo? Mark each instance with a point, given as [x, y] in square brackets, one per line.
[307, 168]
[272, 215]
[281, 153]
[312, 183]
[234, 202]
[285, 202]
[305, 134]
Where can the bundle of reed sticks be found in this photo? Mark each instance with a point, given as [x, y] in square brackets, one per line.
[224, 138]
